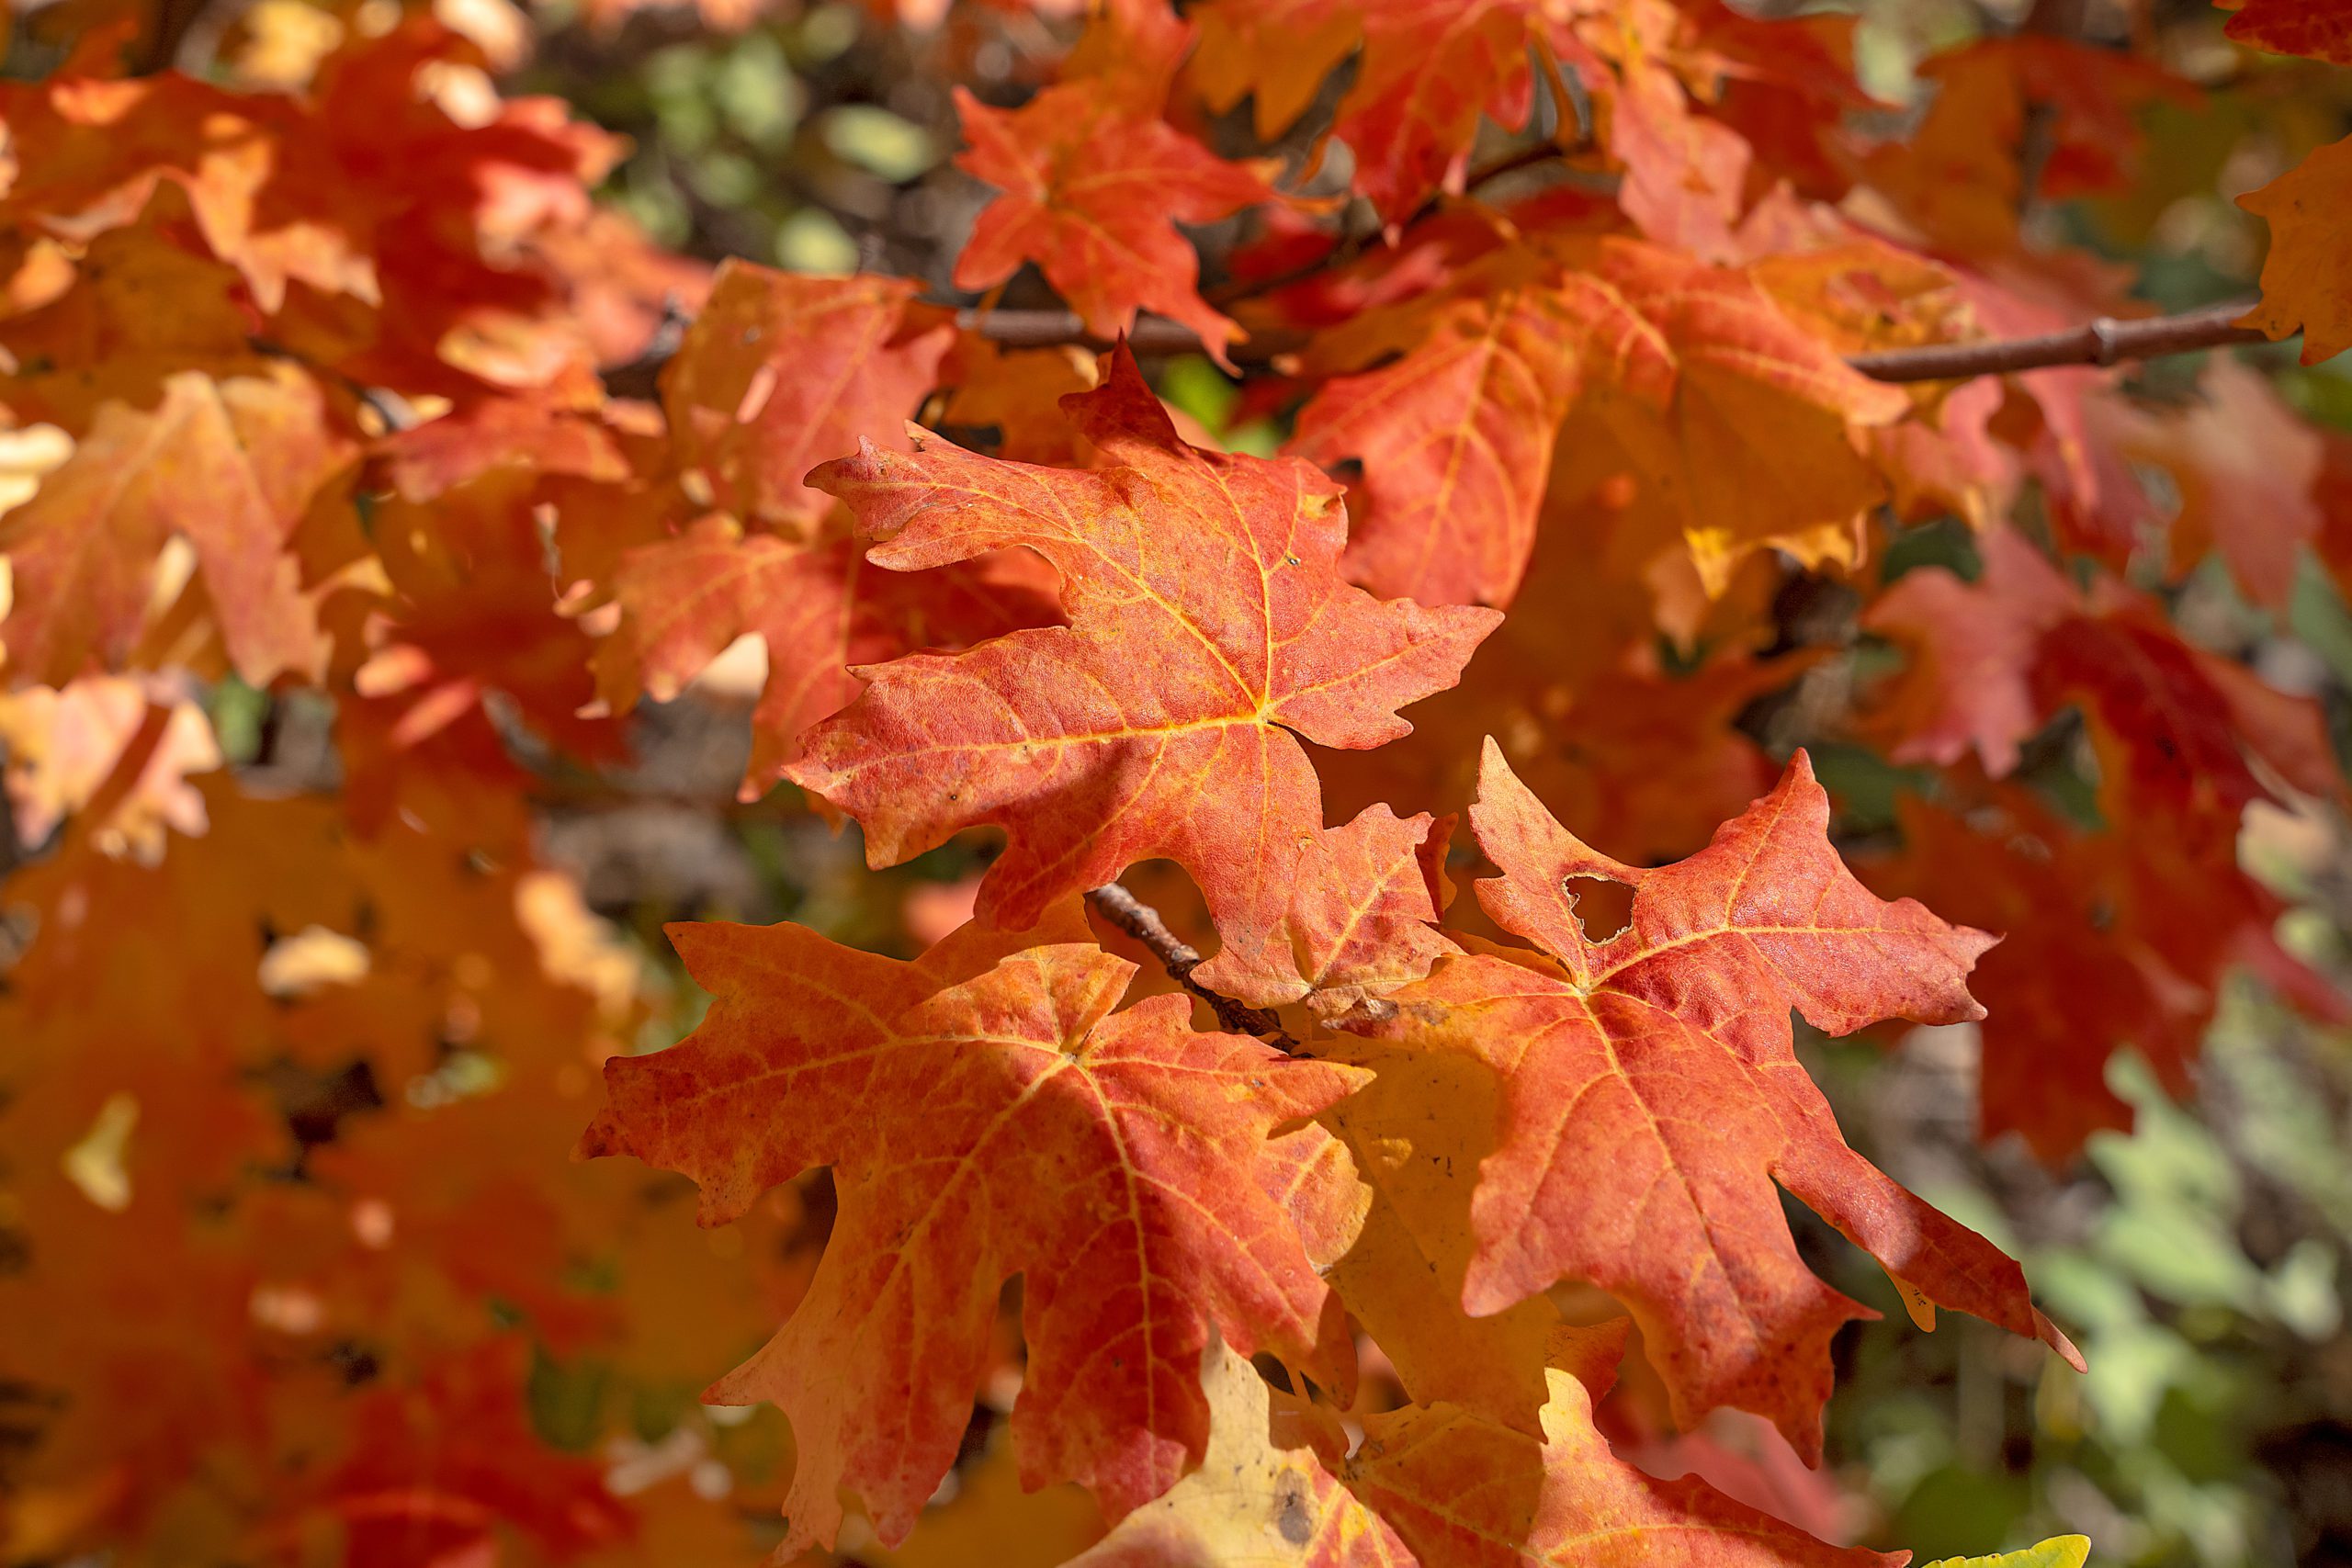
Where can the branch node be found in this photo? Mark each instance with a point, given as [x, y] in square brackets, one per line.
[2107, 347]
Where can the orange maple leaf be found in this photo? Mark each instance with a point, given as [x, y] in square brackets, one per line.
[264, 200]
[1209, 622]
[1357, 922]
[227, 464]
[1426, 70]
[1740, 425]
[986, 1114]
[2307, 278]
[1094, 185]
[1439, 1483]
[1437, 1474]
[1652, 1095]
[1455, 437]
[781, 371]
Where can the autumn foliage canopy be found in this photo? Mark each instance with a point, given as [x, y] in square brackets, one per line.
[1609, 635]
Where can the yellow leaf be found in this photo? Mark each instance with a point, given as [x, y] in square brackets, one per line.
[2058, 1551]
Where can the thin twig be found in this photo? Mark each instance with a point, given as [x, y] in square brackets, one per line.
[2103, 342]
[2106, 341]
[1141, 921]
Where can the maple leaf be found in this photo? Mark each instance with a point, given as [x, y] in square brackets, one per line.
[1251, 1500]
[534, 431]
[1651, 1094]
[1436, 1484]
[1995, 660]
[2306, 278]
[1686, 175]
[1019, 394]
[1401, 1277]
[2176, 724]
[1960, 176]
[2069, 425]
[1424, 71]
[1458, 1488]
[1737, 423]
[2319, 30]
[229, 464]
[1277, 53]
[985, 1114]
[1973, 647]
[1455, 438]
[818, 607]
[1787, 85]
[1861, 294]
[1093, 184]
[1358, 924]
[781, 371]
[62, 747]
[472, 612]
[265, 202]
[1209, 622]
[622, 288]
[2064, 985]
[2245, 464]
[1630, 751]
[2058, 1551]
[1427, 71]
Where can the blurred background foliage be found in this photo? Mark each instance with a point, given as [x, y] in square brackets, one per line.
[2200, 1259]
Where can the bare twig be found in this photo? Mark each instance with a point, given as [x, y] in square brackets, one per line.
[1153, 336]
[2103, 342]
[1141, 921]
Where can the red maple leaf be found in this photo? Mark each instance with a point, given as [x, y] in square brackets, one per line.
[1652, 1095]
[1209, 629]
[986, 1114]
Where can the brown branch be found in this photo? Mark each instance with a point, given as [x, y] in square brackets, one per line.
[2103, 342]
[1141, 921]
[1152, 336]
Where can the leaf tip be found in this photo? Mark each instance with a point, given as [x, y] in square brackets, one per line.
[2051, 1335]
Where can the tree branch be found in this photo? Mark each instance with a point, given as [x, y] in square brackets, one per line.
[2105, 341]
[1141, 921]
